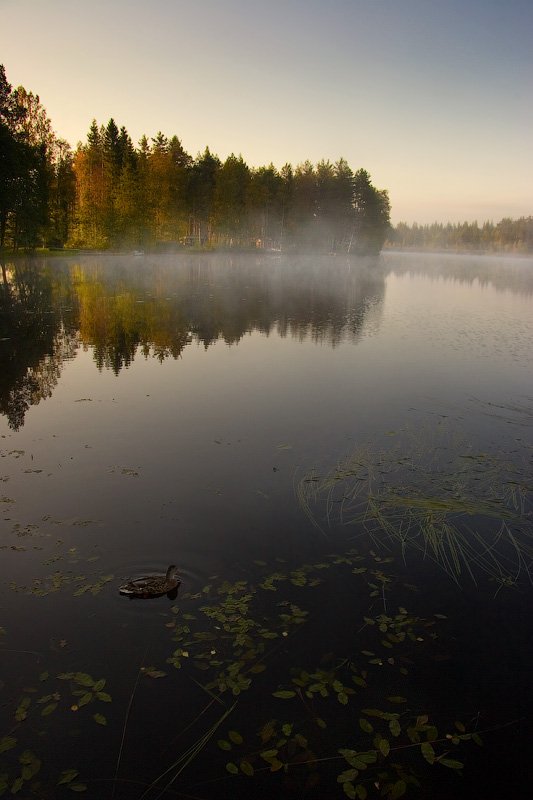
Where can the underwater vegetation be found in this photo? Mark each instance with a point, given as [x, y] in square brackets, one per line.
[470, 512]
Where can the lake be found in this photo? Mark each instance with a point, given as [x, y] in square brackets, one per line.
[337, 455]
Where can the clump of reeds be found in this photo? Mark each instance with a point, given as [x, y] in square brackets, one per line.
[470, 512]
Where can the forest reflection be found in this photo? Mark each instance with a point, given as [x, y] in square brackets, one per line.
[123, 308]
[504, 273]
[36, 337]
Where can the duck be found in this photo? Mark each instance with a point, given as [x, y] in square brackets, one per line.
[152, 585]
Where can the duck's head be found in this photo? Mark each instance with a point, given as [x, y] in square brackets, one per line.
[171, 571]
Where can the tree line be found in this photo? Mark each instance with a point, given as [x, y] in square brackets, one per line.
[110, 194]
[507, 235]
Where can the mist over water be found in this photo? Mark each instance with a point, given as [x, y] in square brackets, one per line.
[163, 409]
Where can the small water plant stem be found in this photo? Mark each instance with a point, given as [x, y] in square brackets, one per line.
[126, 720]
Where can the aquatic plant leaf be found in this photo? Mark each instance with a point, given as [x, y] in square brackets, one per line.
[86, 698]
[361, 792]
[106, 698]
[48, 709]
[365, 726]
[223, 744]
[394, 727]
[17, 785]
[398, 790]
[232, 768]
[451, 763]
[428, 752]
[100, 719]
[83, 679]
[347, 776]
[99, 685]
[384, 747]
[67, 776]
[77, 787]
[235, 737]
[7, 743]
[247, 768]
[349, 790]
[22, 709]
[284, 694]
[268, 755]
[432, 733]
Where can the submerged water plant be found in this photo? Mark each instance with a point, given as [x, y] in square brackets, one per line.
[470, 512]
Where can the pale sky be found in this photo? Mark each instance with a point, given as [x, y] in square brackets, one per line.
[433, 97]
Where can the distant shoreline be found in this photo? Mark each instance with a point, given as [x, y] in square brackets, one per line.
[456, 251]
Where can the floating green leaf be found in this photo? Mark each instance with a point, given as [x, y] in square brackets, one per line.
[428, 752]
[398, 790]
[7, 743]
[85, 699]
[67, 776]
[384, 747]
[347, 776]
[268, 755]
[83, 679]
[394, 727]
[223, 744]
[451, 763]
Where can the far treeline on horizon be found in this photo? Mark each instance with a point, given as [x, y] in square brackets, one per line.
[109, 194]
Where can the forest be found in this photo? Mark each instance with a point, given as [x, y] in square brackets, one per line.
[109, 194]
[507, 235]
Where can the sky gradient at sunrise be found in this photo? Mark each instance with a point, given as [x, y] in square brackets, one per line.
[434, 99]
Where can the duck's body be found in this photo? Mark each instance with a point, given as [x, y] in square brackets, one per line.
[152, 585]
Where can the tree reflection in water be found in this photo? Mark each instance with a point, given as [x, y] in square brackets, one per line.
[35, 338]
[121, 309]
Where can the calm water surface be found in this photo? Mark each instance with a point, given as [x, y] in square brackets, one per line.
[188, 410]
